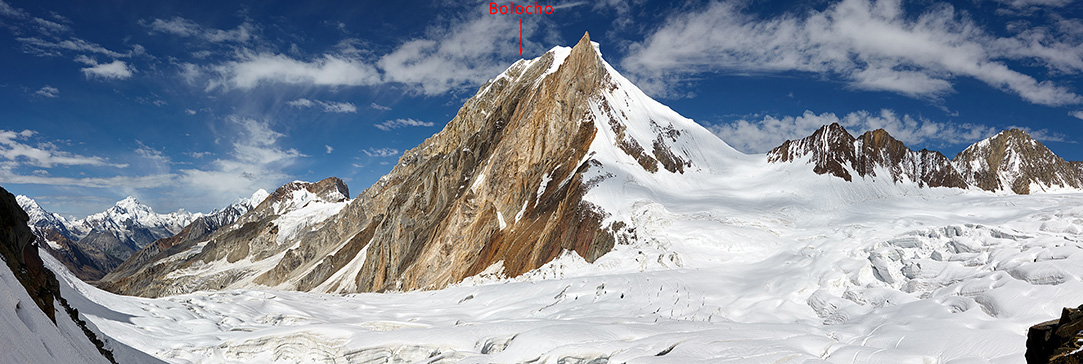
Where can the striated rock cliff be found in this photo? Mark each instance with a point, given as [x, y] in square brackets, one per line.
[832, 150]
[1012, 160]
[501, 187]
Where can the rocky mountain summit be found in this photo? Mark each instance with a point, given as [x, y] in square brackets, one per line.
[1009, 161]
[1012, 160]
[501, 188]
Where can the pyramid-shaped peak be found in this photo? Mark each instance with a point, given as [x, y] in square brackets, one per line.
[833, 131]
[584, 40]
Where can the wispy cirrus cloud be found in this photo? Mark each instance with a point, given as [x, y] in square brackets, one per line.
[187, 28]
[254, 158]
[43, 47]
[381, 152]
[327, 106]
[48, 91]
[401, 123]
[873, 45]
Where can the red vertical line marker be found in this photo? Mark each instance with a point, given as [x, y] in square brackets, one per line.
[520, 36]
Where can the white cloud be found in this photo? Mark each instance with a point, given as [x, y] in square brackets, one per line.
[252, 70]
[381, 152]
[256, 161]
[187, 28]
[455, 56]
[379, 107]
[117, 70]
[401, 123]
[329, 149]
[328, 106]
[189, 111]
[450, 56]
[48, 91]
[873, 45]
[761, 135]
[15, 149]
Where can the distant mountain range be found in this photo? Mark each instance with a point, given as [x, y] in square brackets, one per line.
[1010, 161]
[97, 244]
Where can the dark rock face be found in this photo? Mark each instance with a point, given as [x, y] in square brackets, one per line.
[831, 147]
[832, 150]
[87, 262]
[20, 252]
[1057, 341]
[1012, 160]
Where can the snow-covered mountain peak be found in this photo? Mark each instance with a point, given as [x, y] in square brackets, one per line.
[874, 154]
[1013, 161]
[34, 210]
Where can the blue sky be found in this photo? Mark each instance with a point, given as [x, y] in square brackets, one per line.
[192, 104]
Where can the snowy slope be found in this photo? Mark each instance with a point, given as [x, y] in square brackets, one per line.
[28, 336]
[790, 280]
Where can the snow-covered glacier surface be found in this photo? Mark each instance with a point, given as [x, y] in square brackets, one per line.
[769, 265]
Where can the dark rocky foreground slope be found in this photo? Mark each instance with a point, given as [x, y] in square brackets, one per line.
[20, 254]
[1057, 341]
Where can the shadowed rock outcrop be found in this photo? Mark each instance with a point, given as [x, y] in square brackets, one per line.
[1057, 341]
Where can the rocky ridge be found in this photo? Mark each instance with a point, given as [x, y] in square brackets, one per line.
[1009, 161]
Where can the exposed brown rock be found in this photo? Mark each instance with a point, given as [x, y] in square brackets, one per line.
[831, 148]
[1057, 341]
[503, 182]
[1012, 160]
